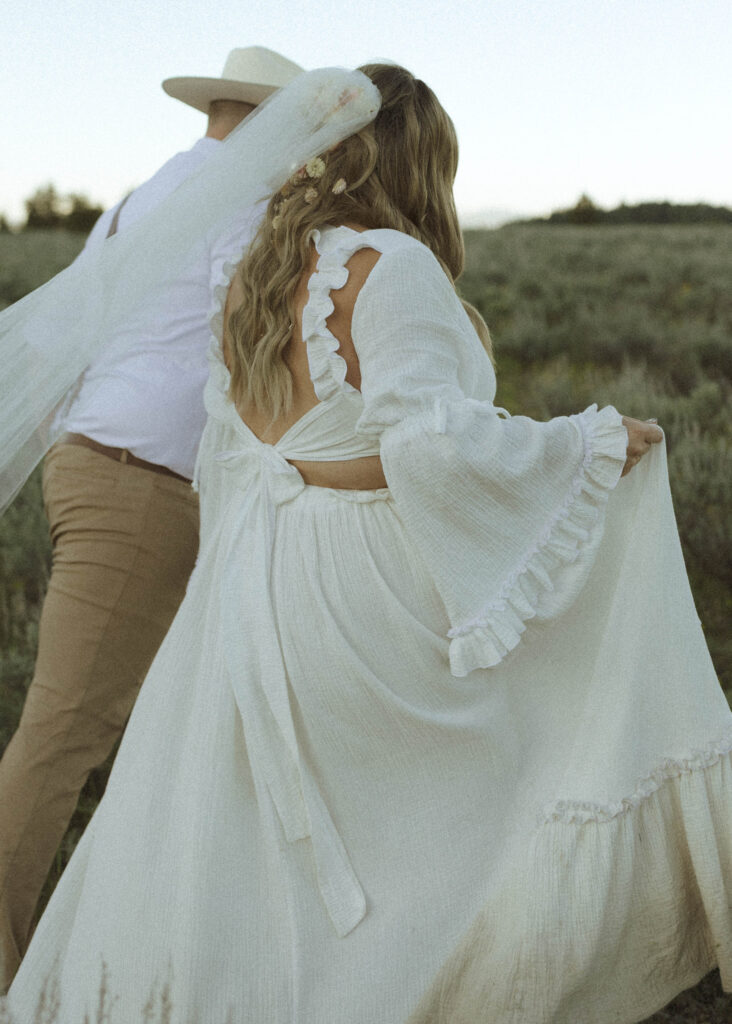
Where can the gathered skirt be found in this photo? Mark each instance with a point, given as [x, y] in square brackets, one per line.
[544, 842]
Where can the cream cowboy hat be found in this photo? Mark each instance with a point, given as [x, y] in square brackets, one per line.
[250, 74]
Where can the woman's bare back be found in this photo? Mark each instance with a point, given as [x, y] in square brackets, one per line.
[358, 474]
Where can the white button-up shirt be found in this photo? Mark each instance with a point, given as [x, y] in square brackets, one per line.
[150, 399]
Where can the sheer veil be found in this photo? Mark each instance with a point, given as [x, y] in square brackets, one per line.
[49, 338]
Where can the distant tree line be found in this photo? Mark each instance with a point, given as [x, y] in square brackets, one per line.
[47, 208]
[585, 211]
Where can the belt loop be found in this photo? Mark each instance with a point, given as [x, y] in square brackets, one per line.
[123, 456]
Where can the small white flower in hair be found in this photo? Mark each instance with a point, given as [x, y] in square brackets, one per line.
[340, 186]
[315, 168]
[311, 195]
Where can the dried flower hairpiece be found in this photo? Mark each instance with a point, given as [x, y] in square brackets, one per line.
[315, 168]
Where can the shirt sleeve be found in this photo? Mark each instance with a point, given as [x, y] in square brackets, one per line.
[507, 512]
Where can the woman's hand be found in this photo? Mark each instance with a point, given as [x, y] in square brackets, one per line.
[641, 435]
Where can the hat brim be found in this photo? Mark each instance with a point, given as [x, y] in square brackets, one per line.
[201, 92]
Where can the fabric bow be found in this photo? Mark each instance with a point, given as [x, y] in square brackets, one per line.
[258, 673]
[282, 479]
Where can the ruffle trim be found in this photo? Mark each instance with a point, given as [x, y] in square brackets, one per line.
[574, 812]
[222, 276]
[215, 393]
[606, 923]
[327, 367]
[485, 640]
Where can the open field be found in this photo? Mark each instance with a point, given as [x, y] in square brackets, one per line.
[637, 316]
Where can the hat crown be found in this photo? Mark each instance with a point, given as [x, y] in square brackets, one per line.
[260, 65]
[251, 73]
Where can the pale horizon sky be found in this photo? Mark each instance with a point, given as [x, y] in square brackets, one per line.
[626, 100]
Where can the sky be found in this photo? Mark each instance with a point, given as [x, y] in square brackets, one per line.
[625, 100]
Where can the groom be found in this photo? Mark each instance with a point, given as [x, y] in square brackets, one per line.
[123, 521]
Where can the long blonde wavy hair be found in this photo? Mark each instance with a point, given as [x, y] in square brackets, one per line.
[397, 172]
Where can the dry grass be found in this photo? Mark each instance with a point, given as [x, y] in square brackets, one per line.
[705, 1004]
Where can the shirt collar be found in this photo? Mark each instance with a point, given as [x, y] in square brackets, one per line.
[206, 143]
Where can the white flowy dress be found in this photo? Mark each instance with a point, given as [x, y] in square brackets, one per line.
[451, 752]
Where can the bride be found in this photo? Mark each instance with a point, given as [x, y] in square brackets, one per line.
[434, 737]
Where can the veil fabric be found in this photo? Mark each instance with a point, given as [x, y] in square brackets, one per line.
[50, 337]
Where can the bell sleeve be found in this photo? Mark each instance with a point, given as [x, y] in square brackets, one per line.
[506, 512]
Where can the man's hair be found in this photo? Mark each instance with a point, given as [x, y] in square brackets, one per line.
[228, 112]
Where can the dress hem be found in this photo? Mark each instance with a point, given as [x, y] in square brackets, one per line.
[546, 963]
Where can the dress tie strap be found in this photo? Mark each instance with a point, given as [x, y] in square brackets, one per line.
[264, 480]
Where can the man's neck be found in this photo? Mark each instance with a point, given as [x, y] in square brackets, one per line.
[224, 116]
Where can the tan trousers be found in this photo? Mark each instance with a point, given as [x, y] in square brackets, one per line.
[124, 544]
